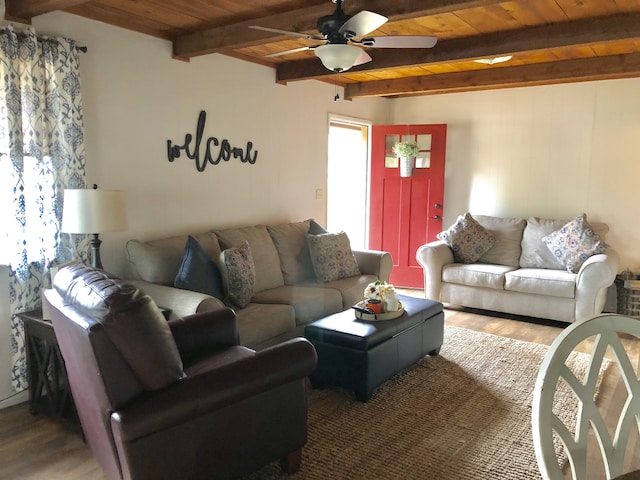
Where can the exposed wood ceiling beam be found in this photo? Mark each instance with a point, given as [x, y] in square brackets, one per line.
[578, 32]
[25, 10]
[585, 69]
[304, 20]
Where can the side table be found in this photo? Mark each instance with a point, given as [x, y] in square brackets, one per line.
[49, 391]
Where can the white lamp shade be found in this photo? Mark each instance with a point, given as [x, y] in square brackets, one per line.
[94, 211]
[338, 56]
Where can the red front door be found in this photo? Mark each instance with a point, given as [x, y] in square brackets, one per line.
[406, 212]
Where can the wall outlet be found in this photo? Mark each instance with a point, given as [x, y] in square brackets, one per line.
[319, 194]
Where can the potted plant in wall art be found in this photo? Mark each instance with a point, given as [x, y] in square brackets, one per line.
[407, 151]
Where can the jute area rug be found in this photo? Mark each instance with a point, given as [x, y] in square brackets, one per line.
[465, 414]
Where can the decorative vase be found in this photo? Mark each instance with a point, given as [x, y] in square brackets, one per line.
[391, 302]
[406, 166]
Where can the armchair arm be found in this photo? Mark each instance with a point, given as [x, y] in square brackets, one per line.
[209, 391]
[181, 302]
[433, 256]
[374, 262]
[207, 331]
[595, 276]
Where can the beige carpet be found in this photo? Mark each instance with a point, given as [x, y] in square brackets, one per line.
[465, 414]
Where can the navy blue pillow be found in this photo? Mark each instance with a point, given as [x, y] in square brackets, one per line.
[198, 271]
[315, 228]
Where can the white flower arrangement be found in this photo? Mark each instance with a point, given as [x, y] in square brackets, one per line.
[406, 149]
[379, 290]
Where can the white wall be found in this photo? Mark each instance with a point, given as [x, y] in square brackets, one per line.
[136, 97]
[553, 151]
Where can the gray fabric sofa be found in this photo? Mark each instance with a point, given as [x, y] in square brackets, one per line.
[287, 294]
[519, 274]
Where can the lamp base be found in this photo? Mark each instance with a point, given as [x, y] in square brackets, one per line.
[95, 251]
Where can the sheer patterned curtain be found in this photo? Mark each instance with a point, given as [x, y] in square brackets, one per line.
[41, 154]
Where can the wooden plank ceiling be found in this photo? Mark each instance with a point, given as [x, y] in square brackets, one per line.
[551, 41]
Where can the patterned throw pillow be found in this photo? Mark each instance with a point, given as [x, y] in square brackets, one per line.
[332, 257]
[574, 243]
[468, 239]
[238, 274]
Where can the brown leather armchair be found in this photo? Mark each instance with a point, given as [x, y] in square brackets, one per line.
[178, 399]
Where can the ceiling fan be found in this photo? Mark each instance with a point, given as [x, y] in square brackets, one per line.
[341, 32]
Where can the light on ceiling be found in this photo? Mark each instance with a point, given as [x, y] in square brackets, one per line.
[338, 57]
[494, 60]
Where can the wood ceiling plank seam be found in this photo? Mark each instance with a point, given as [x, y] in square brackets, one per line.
[161, 12]
[27, 9]
[128, 22]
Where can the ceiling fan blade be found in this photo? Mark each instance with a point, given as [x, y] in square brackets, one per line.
[363, 58]
[362, 23]
[286, 52]
[285, 32]
[400, 41]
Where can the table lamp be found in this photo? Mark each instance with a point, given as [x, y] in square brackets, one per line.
[94, 211]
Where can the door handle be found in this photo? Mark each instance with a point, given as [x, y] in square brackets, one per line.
[437, 217]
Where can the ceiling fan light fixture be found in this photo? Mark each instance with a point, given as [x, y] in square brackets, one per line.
[494, 60]
[338, 57]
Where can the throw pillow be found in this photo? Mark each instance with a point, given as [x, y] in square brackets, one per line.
[574, 243]
[198, 271]
[238, 274]
[290, 240]
[468, 239]
[315, 228]
[508, 233]
[332, 257]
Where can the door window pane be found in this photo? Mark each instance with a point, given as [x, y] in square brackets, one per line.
[424, 142]
[390, 161]
[390, 141]
[424, 160]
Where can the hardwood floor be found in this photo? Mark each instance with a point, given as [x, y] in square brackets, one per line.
[41, 448]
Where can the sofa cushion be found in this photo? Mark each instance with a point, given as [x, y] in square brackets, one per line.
[476, 274]
[332, 257]
[265, 255]
[290, 240]
[508, 233]
[310, 302]
[467, 239]
[198, 272]
[258, 323]
[238, 274]
[158, 261]
[574, 243]
[541, 281]
[535, 253]
[352, 288]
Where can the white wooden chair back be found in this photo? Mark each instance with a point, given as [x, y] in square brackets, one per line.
[605, 330]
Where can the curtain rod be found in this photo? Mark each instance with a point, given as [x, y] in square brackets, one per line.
[81, 48]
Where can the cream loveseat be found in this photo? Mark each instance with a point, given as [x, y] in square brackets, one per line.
[282, 296]
[516, 271]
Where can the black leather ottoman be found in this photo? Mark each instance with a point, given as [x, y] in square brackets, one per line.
[360, 355]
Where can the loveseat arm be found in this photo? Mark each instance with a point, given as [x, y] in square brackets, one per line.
[595, 276]
[374, 262]
[181, 303]
[200, 395]
[433, 256]
[205, 332]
